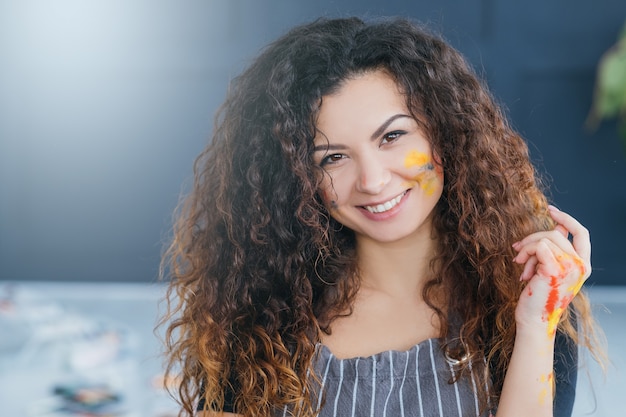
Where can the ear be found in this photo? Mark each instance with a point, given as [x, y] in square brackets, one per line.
[438, 163]
[436, 158]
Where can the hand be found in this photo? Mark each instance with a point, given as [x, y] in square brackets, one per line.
[555, 269]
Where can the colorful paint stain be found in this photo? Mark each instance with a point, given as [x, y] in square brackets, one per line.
[581, 279]
[543, 394]
[557, 302]
[427, 177]
[428, 181]
[553, 313]
[415, 158]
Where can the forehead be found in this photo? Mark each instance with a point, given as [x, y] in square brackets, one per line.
[361, 101]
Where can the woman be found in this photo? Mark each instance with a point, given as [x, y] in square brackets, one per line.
[366, 235]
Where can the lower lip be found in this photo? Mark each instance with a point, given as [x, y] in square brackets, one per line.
[386, 214]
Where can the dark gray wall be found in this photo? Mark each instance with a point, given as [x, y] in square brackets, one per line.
[104, 105]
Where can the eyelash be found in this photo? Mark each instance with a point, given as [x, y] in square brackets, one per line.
[389, 137]
[327, 159]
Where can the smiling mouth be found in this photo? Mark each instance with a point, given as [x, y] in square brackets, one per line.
[386, 206]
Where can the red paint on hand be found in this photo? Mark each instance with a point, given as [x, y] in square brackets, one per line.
[553, 296]
[557, 303]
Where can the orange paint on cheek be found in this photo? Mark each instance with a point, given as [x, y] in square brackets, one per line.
[428, 182]
[426, 177]
[415, 158]
[409, 184]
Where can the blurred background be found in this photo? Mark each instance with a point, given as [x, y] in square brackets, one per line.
[105, 104]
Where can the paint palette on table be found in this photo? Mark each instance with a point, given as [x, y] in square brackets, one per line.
[88, 399]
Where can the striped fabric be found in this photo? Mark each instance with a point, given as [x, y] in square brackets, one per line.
[394, 384]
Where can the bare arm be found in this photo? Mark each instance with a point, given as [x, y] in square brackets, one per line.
[555, 270]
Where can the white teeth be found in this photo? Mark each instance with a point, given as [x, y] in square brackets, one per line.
[381, 208]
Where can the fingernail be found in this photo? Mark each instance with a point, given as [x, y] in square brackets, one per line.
[553, 208]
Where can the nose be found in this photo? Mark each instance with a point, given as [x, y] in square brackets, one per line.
[374, 175]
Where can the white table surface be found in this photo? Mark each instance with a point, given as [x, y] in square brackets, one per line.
[27, 379]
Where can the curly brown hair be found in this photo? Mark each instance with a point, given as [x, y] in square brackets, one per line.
[257, 265]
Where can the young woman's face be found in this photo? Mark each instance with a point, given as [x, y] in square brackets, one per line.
[381, 179]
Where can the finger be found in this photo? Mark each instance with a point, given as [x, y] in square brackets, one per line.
[544, 251]
[530, 268]
[557, 236]
[552, 261]
[562, 230]
[580, 241]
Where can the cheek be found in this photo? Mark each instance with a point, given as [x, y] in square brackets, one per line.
[421, 163]
[426, 171]
[416, 159]
[429, 182]
[437, 162]
[328, 195]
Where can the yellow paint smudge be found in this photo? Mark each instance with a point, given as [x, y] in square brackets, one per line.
[557, 303]
[415, 158]
[542, 396]
[545, 379]
[428, 182]
[553, 320]
[427, 178]
[574, 289]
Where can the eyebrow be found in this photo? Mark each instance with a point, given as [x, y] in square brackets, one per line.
[385, 125]
[381, 129]
[328, 147]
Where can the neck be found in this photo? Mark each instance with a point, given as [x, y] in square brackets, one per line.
[397, 268]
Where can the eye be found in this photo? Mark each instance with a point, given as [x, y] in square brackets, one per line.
[392, 136]
[331, 159]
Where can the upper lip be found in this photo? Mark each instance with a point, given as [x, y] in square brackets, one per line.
[384, 201]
